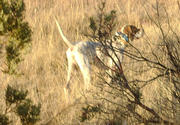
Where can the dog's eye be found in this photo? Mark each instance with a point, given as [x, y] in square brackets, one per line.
[115, 38]
[137, 30]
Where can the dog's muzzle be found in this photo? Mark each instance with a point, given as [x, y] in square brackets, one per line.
[139, 34]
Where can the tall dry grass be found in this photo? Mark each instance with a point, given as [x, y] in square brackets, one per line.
[45, 66]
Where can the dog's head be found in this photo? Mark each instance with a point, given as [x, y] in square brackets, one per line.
[132, 32]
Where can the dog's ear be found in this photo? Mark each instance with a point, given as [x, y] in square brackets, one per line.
[134, 29]
[137, 33]
[131, 32]
[128, 31]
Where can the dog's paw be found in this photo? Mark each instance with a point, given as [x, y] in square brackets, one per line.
[66, 93]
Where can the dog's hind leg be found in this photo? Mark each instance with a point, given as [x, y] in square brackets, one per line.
[85, 68]
[71, 62]
[67, 89]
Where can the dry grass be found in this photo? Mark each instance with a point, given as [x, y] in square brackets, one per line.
[45, 66]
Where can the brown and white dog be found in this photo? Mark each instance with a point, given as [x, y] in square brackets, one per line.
[86, 53]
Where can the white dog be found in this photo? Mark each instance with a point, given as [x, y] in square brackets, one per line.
[86, 53]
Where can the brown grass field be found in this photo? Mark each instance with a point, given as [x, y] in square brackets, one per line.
[45, 67]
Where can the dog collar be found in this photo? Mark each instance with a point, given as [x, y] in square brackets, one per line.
[124, 36]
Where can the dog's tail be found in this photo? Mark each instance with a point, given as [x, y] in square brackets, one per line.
[62, 35]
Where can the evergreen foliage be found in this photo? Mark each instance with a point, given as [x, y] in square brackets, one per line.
[18, 103]
[15, 31]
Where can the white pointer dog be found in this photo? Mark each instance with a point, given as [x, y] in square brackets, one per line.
[86, 53]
